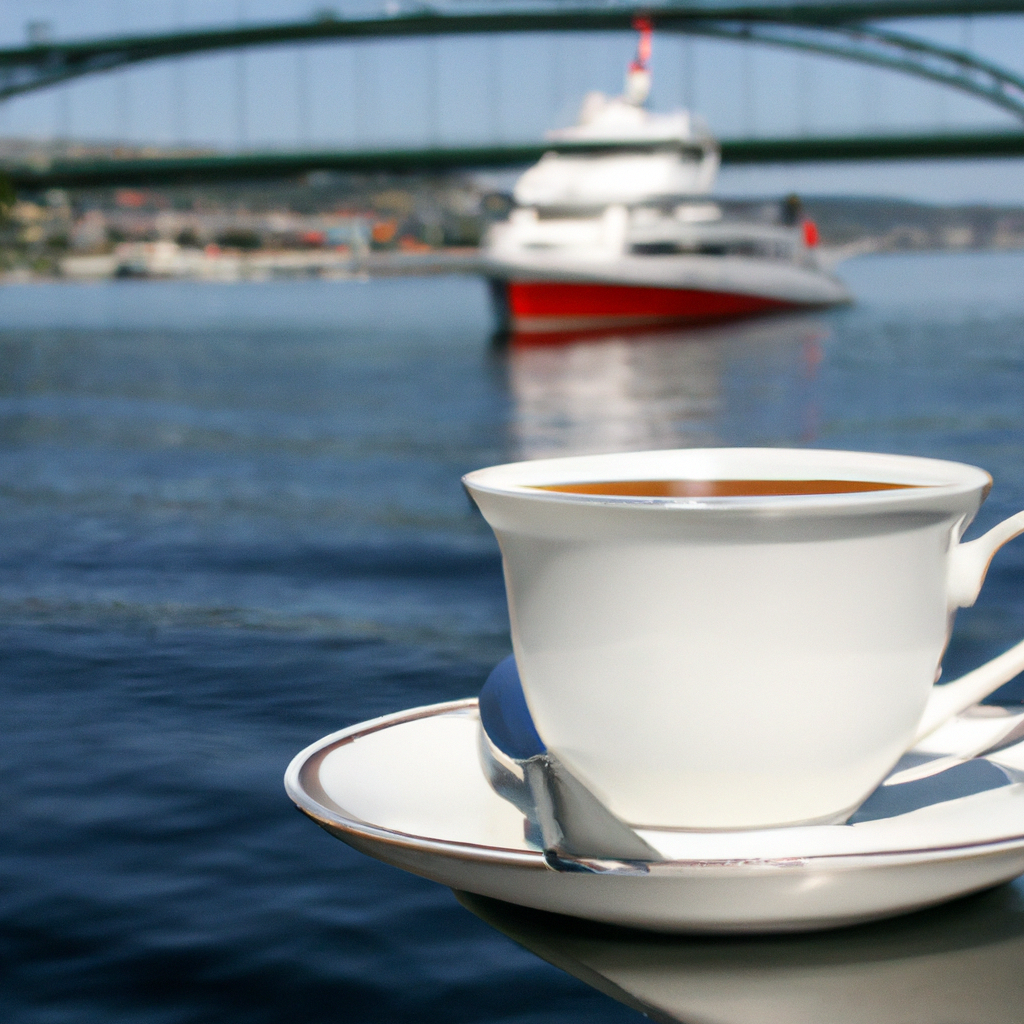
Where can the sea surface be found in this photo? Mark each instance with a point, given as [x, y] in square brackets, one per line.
[231, 522]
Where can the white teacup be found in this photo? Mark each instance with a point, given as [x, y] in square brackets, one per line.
[739, 662]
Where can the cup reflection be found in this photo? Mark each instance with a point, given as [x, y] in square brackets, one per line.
[742, 383]
[956, 964]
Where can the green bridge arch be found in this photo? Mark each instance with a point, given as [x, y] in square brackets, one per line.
[844, 30]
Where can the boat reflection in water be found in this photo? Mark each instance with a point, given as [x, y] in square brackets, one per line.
[745, 383]
[956, 963]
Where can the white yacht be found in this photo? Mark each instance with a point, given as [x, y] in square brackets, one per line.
[617, 231]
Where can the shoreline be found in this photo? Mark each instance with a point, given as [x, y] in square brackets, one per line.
[148, 263]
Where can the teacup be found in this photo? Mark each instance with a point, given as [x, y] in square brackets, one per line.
[747, 660]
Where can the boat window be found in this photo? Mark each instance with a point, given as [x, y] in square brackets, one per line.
[751, 248]
[569, 212]
[658, 249]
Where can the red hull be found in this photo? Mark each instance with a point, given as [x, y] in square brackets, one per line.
[540, 312]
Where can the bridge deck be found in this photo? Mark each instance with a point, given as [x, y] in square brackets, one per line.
[235, 167]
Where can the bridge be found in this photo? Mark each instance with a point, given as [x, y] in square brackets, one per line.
[858, 30]
[206, 169]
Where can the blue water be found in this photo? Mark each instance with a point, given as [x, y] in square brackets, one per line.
[231, 522]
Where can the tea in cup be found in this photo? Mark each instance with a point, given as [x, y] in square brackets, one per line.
[738, 638]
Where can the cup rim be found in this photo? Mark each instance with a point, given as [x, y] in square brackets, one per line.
[936, 478]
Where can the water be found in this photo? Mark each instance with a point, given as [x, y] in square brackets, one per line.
[232, 523]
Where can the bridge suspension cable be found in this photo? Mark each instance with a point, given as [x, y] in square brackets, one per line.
[844, 30]
[894, 51]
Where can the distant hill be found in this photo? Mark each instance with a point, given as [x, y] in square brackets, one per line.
[895, 224]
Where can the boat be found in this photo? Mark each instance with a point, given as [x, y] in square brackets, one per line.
[616, 231]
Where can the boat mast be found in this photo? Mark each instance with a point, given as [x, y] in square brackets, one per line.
[638, 77]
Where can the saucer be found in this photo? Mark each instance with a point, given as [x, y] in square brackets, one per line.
[408, 789]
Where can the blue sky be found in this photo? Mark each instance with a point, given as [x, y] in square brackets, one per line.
[483, 89]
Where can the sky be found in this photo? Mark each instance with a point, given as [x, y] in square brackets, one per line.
[471, 90]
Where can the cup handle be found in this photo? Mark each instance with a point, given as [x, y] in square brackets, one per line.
[968, 564]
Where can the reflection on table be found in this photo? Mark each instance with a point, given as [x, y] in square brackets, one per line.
[962, 963]
[668, 390]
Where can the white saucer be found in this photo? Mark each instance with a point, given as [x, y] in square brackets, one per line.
[408, 789]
